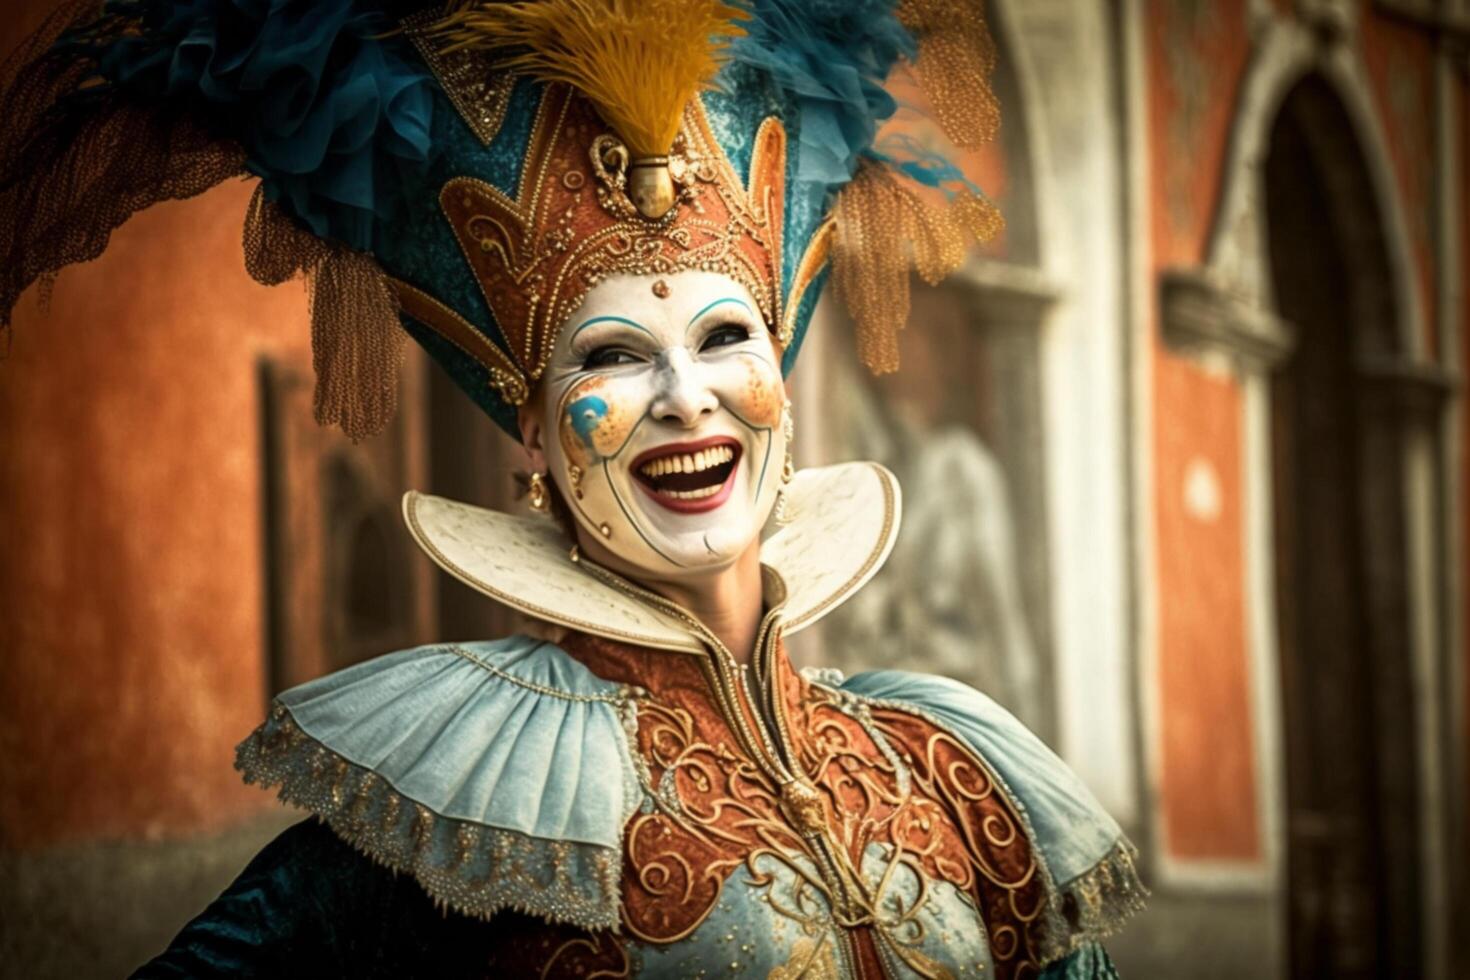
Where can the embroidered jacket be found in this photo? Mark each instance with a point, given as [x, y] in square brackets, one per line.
[605, 806]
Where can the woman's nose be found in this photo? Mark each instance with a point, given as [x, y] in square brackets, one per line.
[683, 397]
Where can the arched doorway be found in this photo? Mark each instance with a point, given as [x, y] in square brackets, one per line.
[1352, 874]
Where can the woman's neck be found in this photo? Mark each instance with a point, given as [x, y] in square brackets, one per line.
[728, 601]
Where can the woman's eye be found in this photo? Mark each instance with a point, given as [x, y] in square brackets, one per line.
[608, 357]
[725, 336]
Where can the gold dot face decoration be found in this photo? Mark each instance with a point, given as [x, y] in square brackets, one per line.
[667, 409]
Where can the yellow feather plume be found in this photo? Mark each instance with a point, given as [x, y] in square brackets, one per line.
[638, 61]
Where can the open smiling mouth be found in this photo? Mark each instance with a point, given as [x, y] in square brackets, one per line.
[689, 477]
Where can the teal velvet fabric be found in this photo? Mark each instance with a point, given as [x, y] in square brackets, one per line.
[1090, 962]
[310, 906]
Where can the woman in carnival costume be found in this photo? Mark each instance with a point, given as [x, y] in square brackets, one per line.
[609, 221]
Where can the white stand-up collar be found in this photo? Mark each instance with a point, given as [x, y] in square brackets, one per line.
[842, 522]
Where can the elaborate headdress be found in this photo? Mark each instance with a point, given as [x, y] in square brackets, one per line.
[467, 171]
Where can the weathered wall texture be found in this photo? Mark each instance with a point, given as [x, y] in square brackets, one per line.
[1462, 91]
[1196, 55]
[130, 576]
[1400, 62]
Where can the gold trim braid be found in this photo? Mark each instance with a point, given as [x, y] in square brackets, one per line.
[505, 377]
[885, 230]
[478, 89]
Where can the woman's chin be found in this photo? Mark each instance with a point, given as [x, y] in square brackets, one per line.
[687, 553]
[706, 551]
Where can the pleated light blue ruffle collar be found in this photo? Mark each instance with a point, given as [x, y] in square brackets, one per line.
[497, 773]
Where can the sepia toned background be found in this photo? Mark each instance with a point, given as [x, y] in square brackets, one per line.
[1184, 458]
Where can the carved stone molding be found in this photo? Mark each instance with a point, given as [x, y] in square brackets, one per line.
[1008, 292]
[1448, 18]
[1198, 315]
[1226, 304]
[1333, 19]
[1414, 393]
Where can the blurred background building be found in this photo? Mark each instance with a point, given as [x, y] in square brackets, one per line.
[1184, 458]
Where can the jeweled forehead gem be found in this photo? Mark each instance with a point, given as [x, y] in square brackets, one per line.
[661, 289]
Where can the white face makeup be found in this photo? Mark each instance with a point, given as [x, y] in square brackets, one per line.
[662, 428]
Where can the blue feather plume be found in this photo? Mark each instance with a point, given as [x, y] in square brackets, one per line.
[334, 117]
[830, 58]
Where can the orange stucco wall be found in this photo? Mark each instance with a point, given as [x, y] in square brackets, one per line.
[131, 647]
[1196, 55]
[1196, 58]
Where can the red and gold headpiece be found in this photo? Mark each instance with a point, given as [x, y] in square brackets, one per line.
[577, 219]
[621, 175]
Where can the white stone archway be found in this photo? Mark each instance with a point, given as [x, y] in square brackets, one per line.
[1066, 86]
[1225, 310]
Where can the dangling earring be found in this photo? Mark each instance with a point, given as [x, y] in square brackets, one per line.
[536, 494]
[788, 468]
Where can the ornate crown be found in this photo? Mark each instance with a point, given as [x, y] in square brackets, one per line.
[574, 222]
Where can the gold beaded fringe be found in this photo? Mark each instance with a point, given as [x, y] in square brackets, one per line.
[883, 230]
[956, 56]
[356, 337]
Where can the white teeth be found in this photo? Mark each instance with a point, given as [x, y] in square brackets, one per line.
[693, 494]
[688, 462]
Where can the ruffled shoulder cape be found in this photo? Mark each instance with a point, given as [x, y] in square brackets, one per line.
[500, 776]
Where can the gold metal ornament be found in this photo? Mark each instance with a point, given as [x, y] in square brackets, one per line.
[537, 495]
[802, 805]
[788, 467]
[651, 187]
[788, 427]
